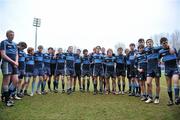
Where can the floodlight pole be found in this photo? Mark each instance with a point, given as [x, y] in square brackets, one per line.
[36, 24]
[35, 39]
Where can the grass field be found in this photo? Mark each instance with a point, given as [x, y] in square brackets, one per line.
[86, 106]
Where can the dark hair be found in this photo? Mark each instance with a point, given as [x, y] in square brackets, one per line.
[163, 39]
[132, 44]
[79, 50]
[120, 48]
[70, 47]
[50, 48]
[126, 50]
[22, 44]
[148, 40]
[140, 40]
[85, 50]
[140, 46]
[60, 48]
[40, 47]
[98, 47]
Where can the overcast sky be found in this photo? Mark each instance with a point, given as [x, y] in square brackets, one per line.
[87, 23]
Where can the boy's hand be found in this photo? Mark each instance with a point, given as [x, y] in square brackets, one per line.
[140, 70]
[16, 64]
[171, 50]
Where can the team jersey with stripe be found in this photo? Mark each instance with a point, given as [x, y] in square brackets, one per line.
[70, 60]
[38, 58]
[10, 49]
[21, 60]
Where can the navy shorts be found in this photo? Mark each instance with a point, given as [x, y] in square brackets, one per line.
[104, 67]
[8, 68]
[128, 72]
[47, 71]
[120, 72]
[59, 72]
[21, 74]
[29, 74]
[154, 73]
[98, 70]
[169, 71]
[77, 72]
[92, 68]
[133, 72]
[38, 72]
[109, 74]
[153, 69]
[78, 69]
[52, 68]
[60, 69]
[29, 70]
[142, 76]
[70, 72]
[86, 73]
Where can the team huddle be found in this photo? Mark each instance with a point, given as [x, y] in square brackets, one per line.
[108, 71]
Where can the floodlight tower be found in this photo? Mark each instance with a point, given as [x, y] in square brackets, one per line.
[36, 24]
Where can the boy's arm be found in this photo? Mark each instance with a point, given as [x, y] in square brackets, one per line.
[17, 58]
[4, 56]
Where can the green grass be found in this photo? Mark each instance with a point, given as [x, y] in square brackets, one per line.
[86, 106]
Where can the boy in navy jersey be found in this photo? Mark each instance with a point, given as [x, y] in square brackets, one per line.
[103, 51]
[70, 68]
[153, 70]
[98, 71]
[142, 67]
[169, 57]
[60, 68]
[133, 70]
[38, 69]
[77, 69]
[86, 69]
[47, 69]
[128, 69]
[92, 64]
[110, 72]
[15, 91]
[22, 65]
[52, 68]
[9, 66]
[120, 70]
[28, 70]
[141, 42]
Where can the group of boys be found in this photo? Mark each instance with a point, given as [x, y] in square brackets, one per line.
[140, 65]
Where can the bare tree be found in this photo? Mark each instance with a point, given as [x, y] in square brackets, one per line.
[75, 48]
[119, 45]
[175, 39]
[65, 50]
[155, 38]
